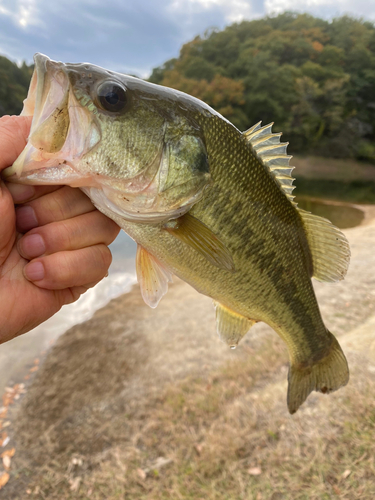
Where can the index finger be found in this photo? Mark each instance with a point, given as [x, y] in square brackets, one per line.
[14, 131]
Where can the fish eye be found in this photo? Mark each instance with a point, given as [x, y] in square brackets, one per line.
[111, 96]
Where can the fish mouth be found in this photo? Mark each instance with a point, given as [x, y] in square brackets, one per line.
[66, 125]
[61, 130]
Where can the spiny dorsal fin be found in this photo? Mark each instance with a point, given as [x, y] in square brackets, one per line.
[272, 153]
[329, 247]
[231, 326]
[250, 130]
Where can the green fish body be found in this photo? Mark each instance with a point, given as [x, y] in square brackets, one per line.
[202, 200]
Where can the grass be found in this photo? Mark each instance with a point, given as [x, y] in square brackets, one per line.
[216, 431]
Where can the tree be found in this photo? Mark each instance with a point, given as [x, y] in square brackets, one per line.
[14, 82]
[313, 78]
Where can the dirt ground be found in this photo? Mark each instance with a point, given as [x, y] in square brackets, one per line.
[147, 404]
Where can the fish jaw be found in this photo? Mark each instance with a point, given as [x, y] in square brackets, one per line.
[54, 147]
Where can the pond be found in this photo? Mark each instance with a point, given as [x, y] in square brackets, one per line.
[341, 215]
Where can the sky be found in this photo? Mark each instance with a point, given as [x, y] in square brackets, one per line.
[135, 36]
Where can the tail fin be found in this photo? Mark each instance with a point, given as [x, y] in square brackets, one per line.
[327, 375]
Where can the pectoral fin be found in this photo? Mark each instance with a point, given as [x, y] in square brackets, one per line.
[196, 234]
[153, 277]
[231, 326]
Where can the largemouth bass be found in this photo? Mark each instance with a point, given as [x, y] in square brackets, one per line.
[203, 201]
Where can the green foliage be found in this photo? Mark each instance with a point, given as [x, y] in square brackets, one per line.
[14, 82]
[315, 79]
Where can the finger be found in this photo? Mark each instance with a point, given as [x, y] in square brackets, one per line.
[62, 204]
[7, 223]
[14, 131]
[23, 192]
[79, 232]
[69, 268]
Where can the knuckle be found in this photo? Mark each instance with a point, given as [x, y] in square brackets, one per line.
[63, 235]
[58, 207]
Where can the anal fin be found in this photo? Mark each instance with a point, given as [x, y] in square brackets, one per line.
[196, 234]
[153, 277]
[231, 326]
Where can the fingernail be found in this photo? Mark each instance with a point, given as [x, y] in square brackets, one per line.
[32, 246]
[26, 218]
[34, 271]
[19, 192]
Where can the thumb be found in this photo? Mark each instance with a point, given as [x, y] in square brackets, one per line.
[13, 136]
[7, 223]
[14, 131]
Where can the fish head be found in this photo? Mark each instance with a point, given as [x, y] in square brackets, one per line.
[132, 146]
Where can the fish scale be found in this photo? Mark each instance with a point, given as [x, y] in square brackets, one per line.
[202, 200]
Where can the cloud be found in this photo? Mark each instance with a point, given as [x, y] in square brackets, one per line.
[324, 8]
[234, 11]
[134, 36]
[21, 12]
[123, 37]
[228, 12]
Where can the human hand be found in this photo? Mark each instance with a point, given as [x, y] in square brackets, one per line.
[53, 244]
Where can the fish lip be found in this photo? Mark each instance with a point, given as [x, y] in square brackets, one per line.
[49, 91]
[37, 95]
[45, 88]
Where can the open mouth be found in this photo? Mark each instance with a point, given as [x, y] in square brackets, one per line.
[61, 130]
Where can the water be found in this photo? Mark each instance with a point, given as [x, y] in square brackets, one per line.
[341, 215]
[123, 253]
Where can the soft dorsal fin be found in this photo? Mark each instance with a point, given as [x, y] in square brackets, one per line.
[329, 247]
[197, 235]
[153, 277]
[231, 326]
[272, 153]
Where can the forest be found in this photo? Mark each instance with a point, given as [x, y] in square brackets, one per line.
[315, 79]
[14, 82]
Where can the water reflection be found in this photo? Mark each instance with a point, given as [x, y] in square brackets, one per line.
[341, 215]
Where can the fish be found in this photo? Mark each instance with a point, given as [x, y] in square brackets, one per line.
[202, 200]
